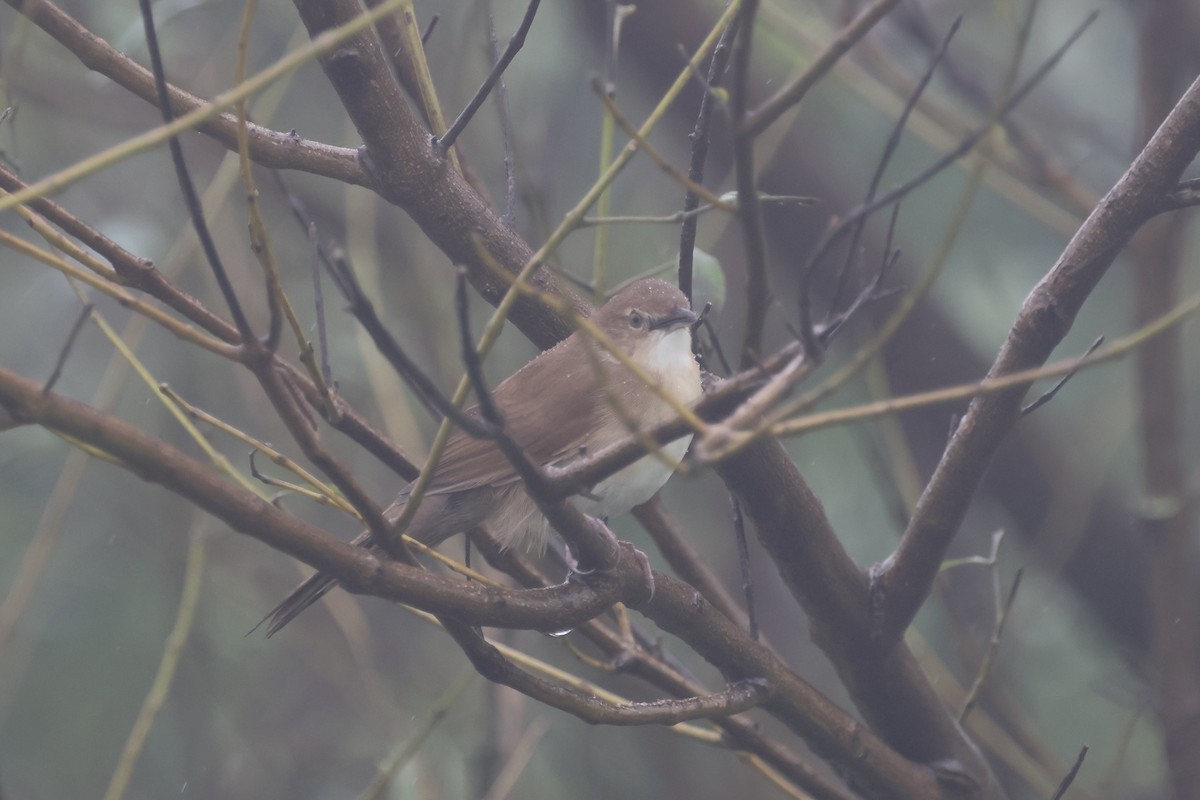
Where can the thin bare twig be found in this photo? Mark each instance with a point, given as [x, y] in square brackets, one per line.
[423, 386]
[65, 351]
[989, 386]
[524, 750]
[791, 94]
[488, 410]
[314, 243]
[644, 145]
[167, 668]
[700, 138]
[889, 150]
[754, 238]
[716, 342]
[278, 305]
[1069, 778]
[1048, 395]
[739, 533]
[420, 734]
[445, 142]
[965, 145]
[191, 199]
[428, 32]
[834, 320]
[993, 644]
[737, 696]
[321, 256]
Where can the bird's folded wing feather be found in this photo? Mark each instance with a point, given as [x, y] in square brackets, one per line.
[546, 431]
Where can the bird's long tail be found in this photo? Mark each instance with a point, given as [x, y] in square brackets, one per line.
[303, 596]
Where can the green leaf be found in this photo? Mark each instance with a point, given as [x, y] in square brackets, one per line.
[709, 278]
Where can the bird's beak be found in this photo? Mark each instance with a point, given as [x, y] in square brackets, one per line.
[679, 317]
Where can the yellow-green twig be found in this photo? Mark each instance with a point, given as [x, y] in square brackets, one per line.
[218, 459]
[733, 441]
[1118, 348]
[658, 158]
[152, 138]
[415, 50]
[260, 241]
[396, 761]
[157, 694]
[182, 330]
[321, 491]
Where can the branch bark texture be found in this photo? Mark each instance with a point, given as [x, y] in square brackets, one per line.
[901, 583]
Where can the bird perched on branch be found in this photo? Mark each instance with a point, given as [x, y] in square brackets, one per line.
[562, 405]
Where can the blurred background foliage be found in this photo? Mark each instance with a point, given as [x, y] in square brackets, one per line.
[312, 712]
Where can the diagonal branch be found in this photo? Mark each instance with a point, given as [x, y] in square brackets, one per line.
[700, 140]
[874, 768]
[444, 142]
[891, 690]
[410, 173]
[271, 148]
[791, 94]
[901, 583]
[190, 196]
[659, 668]
[22, 402]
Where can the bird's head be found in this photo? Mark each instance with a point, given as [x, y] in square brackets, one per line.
[649, 321]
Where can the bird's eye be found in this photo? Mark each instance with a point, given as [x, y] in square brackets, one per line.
[636, 320]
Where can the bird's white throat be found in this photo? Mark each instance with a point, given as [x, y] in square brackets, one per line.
[668, 358]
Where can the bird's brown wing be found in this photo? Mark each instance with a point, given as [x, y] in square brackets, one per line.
[547, 431]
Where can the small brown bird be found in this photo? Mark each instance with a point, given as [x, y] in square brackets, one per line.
[558, 407]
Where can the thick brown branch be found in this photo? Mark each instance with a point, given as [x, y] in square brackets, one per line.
[657, 668]
[872, 766]
[410, 173]
[153, 460]
[890, 689]
[902, 582]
